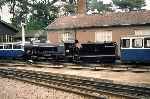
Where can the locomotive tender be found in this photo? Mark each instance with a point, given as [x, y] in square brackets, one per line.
[91, 52]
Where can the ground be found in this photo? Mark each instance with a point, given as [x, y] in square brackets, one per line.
[14, 89]
[124, 77]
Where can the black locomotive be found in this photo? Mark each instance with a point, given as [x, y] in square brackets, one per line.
[44, 51]
[74, 52]
[91, 52]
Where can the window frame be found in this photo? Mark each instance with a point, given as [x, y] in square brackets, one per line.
[17, 46]
[6, 46]
[135, 46]
[145, 43]
[67, 36]
[102, 36]
[129, 44]
[1, 46]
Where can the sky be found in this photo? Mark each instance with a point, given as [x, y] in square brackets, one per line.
[6, 16]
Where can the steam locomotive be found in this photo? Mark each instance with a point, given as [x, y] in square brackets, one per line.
[71, 52]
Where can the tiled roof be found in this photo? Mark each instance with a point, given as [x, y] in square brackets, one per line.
[105, 20]
[9, 26]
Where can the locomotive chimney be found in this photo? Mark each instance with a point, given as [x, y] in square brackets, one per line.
[81, 6]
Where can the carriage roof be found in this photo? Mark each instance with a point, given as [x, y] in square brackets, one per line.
[135, 36]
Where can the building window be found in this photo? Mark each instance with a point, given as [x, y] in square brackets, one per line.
[138, 32]
[142, 32]
[1, 38]
[6, 38]
[1, 46]
[67, 36]
[102, 36]
[125, 43]
[137, 43]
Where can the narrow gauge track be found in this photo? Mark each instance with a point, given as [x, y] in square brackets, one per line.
[94, 67]
[89, 85]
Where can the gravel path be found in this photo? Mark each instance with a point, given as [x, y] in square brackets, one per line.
[14, 89]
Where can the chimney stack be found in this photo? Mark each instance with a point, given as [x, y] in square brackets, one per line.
[81, 6]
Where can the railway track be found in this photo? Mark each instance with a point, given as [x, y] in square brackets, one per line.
[93, 67]
[83, 85]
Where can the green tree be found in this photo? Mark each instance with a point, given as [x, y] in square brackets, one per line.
[42, 13]
[98, 5]
[70, 7]
[10, 3]
[20, 9]
[37, 14]
[2, 2]
[129, 5]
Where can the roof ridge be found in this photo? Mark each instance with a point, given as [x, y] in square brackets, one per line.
[112, 19]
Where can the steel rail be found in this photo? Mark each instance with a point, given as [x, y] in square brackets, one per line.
[83, 83]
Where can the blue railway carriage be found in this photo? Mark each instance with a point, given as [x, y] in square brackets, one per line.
[135, 49]
[11, 50]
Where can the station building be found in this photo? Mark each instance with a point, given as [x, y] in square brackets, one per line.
[99, 28]
[7, 32]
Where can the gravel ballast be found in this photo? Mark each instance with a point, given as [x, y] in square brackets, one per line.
[14, 89]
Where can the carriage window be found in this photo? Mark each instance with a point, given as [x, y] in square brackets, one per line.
[147, 43]
[137, 43]
[125, 43]
[1, 46]
[8, 46]
[17, 46]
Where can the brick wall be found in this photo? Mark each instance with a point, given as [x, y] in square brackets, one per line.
[53, 37]
[88, 35]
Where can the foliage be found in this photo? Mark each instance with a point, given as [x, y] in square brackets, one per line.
[70, 7]
[42, 15]
[24, 10]
[129, 4]
[98, 5]
[18, 8]
[20, 12]
[2, 2]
